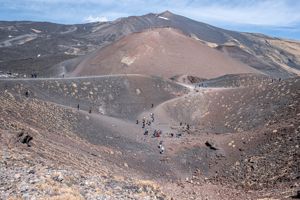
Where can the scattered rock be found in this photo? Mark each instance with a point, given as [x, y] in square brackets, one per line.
[58, 177]
[297, 196]
[25, 138]
[211, 145]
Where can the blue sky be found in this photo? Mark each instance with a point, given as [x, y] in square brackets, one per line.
[279, 18]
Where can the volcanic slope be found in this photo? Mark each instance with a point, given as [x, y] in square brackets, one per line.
[236, 109]
[122, 96]
[100, 146]
[108, 109]
[236, 80]
[62, 160]
[164, 52]
[254, 132]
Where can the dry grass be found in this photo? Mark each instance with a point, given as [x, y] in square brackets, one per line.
[15, 198]
[59, 191]
[147, 183]
[65, 197]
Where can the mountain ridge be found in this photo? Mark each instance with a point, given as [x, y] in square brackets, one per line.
[57, 43]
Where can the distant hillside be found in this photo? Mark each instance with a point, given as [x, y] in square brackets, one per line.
[42, 46]
[164, 52]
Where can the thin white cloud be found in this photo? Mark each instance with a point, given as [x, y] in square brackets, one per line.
[91, 18]
[244, 12]
[261, 13]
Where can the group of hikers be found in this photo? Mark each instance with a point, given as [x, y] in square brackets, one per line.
[157, 133]
[185, 126]
[146, 123]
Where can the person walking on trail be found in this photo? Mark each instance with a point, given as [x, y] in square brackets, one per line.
[161, 148]
[27, 93]
[77, 106]
[144, 122]
[152, 105]
[137, 121]
[146, 132]
[152, 116]
[157, 133]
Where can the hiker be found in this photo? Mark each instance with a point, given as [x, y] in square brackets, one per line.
[78, 106]
[27, 93]
[152, 116]
[90, 111]
[159, 145]
[158, 133]
[146, 132]
[161, 148]
[137, 121]
[152, 105]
